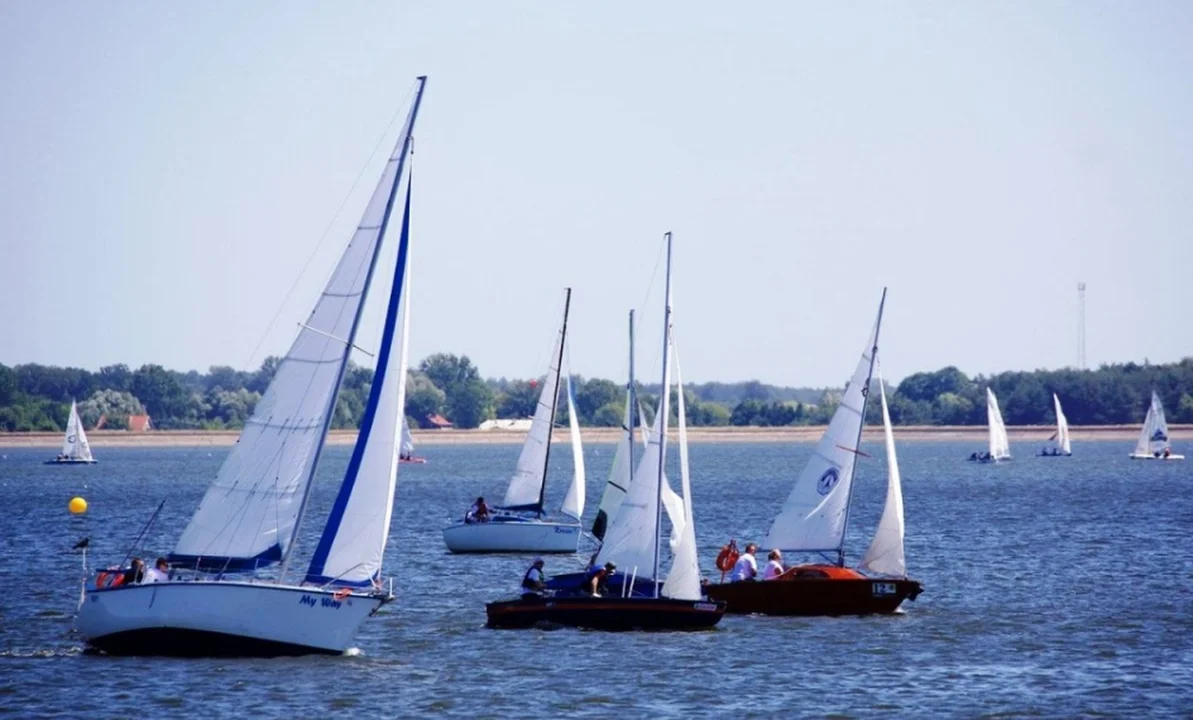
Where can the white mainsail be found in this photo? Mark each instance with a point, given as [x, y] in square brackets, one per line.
[619, 476]
[352, 545]
[631, 536]
[248, 516]
[573, 502]
[74, 443]
[526, 487]
[1062, 428]
[814, 517]
[1000, 448]
[1153, 438]
[885, 554]
[407, 447]
[683, 582]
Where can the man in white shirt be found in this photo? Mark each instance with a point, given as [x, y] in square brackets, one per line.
[746, 567]
[160, 572]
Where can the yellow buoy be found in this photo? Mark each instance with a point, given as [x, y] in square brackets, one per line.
[78, 505]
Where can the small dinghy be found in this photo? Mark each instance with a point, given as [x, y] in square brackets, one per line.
[999, 448]
[1063, 447]
[1153, 441]
[75, 450]
[406, 454]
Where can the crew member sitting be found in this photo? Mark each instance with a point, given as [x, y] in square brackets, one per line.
[774, 565]
[135, 572]
[533, 581]
[160, 572]
[595, 581]
[746, 567]
[479, 512]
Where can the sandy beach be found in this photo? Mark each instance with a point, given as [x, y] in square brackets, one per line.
[973, 434]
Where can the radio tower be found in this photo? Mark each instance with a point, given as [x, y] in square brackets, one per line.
[1080, 326]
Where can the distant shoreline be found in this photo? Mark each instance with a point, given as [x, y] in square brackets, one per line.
[934, 433]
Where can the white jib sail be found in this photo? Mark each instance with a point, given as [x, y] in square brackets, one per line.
[74, 443]
[1153, 438]
[683, 582]
[1000, 448]
[527, 484]
[1062, 428]
[813, 518]
[573, 502]
[353, 543]
[885, 554]
[407, 439]
[619, 477]
[249, 511]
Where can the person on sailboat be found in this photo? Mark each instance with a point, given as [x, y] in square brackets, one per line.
[746, 567]
[595, 581]
[479, 512]
[135, 572]
[774, 565]
[160, 572]
[533, 581]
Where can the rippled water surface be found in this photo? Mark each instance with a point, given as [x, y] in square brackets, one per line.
[1053, 587]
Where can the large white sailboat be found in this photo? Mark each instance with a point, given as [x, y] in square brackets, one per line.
[999, 448]
[519, 525]
[1153, 443]
[75, 450]
[230, 590]
[1063, 446]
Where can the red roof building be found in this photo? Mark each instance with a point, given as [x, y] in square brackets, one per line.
[438, 422]
[138, 423]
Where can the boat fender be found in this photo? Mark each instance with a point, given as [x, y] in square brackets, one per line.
[343, 593]
[728, 556]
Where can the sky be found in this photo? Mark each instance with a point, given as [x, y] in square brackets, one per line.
[179, 179]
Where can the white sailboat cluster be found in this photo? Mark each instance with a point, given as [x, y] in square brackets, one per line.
[520, 525]
[75, 449]
[230, 594]
[1153, 443]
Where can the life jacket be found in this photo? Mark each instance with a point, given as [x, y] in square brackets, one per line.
[527, 583]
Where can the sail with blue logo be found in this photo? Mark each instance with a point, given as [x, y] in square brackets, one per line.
[814, 517]
[1153, 438]
[250, 514]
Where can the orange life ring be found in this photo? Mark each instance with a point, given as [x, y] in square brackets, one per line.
[728, 556]
[341, 594]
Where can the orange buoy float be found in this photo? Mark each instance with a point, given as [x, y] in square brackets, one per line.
[728, 556]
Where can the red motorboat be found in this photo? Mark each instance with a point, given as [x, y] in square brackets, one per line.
[815, 590]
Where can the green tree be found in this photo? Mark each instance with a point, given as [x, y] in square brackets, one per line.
[114, 405]
[609, 415]
[594, 394]
[468, 398]
[519, 399]
[162, 394]
[422, 398]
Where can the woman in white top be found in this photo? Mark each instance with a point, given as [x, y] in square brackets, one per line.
[774, 565]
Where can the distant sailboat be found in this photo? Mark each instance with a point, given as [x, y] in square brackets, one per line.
[519, 525]
[406, 453]
[999, 448]
[815, 518]
[1153, 441]
[75, 450]
[1063, 447]
[228, 592]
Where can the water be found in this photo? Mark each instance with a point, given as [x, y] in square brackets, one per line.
[1054, 587]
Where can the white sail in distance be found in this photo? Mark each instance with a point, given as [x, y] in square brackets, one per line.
[1062, 428]
[885, 554]
[407, 447]
[814, 517]
[1153, 438]
[74, 442]
[1000, 448]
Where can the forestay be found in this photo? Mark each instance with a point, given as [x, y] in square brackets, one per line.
[1062, 428]
[246, 519]
[353, 542]
[814, 517]
[1153, 438]
[1000, 448]
[683, 582]
[573, 502]
[526, 487]
[74, 444]
[885, 554]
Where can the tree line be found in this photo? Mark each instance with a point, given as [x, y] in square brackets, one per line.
[37, 397]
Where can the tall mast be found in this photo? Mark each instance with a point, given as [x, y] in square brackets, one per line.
[861, 427]
[631, 398]
[664, 409]
[563, 336]
[329, 412]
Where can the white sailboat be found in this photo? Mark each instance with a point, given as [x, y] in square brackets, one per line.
[1153, 441]
[885, 556]
[999, 448]
[406, 451]
[519, 525]
[229, 591]
[75, 450]
[1063, 446]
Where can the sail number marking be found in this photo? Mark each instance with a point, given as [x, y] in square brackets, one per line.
[884, 588]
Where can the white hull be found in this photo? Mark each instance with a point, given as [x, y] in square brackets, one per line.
[1149, 456]
[222, 618]
[529, 536]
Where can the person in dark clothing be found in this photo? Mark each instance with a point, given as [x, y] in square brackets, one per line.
[533, 581]
[135, 572]
[596, 580]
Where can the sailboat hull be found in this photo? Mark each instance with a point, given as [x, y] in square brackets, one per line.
[71, 462]
[605, 613]
[512, 536]
[816, 591]
[1149, 456]
[227, 619]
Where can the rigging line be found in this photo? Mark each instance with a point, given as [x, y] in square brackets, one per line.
[646, 298]
[327, 230]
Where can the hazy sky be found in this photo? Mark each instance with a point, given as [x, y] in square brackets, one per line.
[169, 169]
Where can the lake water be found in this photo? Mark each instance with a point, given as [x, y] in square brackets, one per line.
[1054, 587]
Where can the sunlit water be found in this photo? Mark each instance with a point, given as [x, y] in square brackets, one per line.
[1052, 587]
